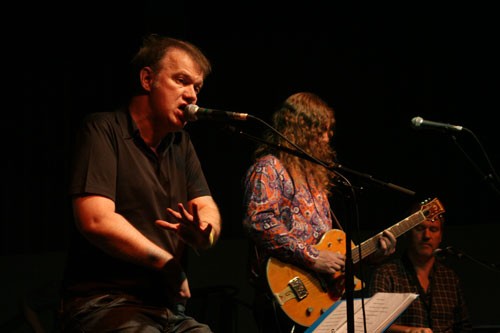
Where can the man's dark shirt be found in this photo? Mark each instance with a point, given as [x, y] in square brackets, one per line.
[441, 308]
[112, 160]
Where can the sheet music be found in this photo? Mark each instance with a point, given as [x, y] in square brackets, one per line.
[380, 311]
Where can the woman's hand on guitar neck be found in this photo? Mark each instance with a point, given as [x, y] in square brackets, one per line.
[386, 245]
[329, 262]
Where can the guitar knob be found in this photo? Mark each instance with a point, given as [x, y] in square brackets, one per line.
[309, 310]
[323, 311]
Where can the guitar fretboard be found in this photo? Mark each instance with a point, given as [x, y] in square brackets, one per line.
[370, 245]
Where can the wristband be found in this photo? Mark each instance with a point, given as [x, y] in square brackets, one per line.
[211, 238]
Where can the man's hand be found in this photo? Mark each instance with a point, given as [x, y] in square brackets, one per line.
[189, 227]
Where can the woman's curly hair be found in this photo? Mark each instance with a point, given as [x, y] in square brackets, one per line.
[303, 118]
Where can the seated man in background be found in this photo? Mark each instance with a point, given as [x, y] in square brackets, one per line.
[440, 306]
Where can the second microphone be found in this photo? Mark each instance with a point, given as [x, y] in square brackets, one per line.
[193, 112]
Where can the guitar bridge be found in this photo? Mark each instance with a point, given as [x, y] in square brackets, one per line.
[295, 289]
[298, 288]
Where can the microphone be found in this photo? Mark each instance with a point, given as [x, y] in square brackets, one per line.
[449, 250]
[194, 112]
[419, 122]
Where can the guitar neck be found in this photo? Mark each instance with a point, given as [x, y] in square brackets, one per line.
[370, 245]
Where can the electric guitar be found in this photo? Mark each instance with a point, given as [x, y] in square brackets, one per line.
[305, 295]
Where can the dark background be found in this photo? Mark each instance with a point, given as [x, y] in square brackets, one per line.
[377, 66]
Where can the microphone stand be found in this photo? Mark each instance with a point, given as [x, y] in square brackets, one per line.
[336, 168]
[459, 254]
[491, 177]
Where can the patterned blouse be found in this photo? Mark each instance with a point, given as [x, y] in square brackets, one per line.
[283, 221]
[442, 308]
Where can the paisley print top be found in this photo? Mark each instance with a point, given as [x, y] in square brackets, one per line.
[283, 219]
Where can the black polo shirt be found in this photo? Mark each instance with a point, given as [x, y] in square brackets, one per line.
[112, 160]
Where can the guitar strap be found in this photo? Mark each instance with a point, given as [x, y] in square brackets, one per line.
[335, 219]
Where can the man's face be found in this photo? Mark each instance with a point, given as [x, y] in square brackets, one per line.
[175, 85]
[426, 237]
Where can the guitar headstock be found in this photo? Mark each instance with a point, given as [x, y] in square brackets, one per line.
[432, 208]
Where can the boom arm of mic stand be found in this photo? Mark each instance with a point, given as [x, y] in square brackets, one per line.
[460, 254]
[340, 167]
[335, 168]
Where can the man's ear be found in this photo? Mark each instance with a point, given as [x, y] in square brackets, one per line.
[147, 78]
